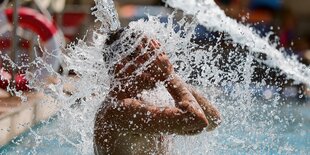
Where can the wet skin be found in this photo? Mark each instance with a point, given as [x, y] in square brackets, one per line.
[126, 124]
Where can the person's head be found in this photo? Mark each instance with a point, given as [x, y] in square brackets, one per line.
[125, 59]
[122, 49]
[120, 44]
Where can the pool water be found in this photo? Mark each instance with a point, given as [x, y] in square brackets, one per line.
[292, 138]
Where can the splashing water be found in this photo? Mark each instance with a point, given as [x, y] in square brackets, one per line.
[211, 16]
[252, 124]
[106, 13]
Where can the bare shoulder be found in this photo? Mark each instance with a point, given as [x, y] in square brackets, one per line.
[112, 109]
[103, 128]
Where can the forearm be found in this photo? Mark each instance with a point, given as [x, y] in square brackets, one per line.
[184, 93]
[211, 113]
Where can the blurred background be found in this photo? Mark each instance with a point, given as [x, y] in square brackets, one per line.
[289, 22]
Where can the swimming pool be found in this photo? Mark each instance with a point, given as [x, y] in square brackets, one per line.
[292, 139]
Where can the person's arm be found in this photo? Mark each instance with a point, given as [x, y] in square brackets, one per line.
[180, 91]
[135, 116]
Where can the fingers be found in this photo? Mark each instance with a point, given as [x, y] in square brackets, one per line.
[146, 50]
[153, 47]
[154, 44]
[150, 44]
[139, 58]
[147, 56]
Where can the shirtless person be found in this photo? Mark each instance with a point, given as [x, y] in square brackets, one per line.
[128, 125]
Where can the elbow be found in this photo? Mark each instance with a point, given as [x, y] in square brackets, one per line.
[191, 124]
[196, 127]
[201, 122]
[193, 132]
[204, 125]
[214, 122]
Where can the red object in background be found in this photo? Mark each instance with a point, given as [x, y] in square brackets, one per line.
[4, 81]
[5, 78]
[5, 44]
[73, 18]
[4, 84]
[21, 82]
[71, 22]
[37, 23]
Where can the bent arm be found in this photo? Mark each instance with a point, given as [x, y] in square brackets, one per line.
[181, 92]
[133, 115]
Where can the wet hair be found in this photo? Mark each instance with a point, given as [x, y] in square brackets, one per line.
[112, 37]
[120, 42]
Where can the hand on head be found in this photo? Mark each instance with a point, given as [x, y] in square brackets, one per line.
[145, 66]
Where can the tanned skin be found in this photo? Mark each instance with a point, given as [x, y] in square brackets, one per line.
[126, 125]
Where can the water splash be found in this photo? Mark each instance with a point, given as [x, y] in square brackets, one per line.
[212, 17]
[106, 13]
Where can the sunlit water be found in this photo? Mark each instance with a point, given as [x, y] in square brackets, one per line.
[252, 122]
